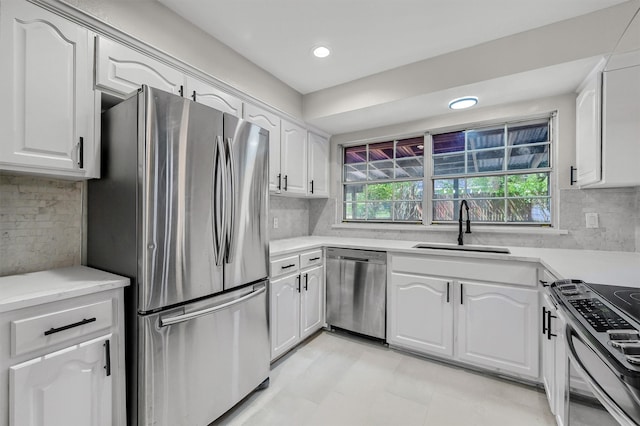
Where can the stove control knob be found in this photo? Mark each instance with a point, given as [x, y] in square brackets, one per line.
[635, 360]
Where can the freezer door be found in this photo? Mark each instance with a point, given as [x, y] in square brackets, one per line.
[247, 242]
[182, 199]
[198, 361]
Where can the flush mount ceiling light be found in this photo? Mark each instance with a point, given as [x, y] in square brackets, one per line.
[462, 103]
[321, 52]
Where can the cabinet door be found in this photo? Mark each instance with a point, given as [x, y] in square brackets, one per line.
[206, 94]
[284, 314]
[47, 102]
[498, 327]
[122, 70]
[293, 156]
[549, 336]
[67, 387]
[318, 166]
[270, 122]
[420, 313]
[311, 301]
[621, 127]
[588, 147]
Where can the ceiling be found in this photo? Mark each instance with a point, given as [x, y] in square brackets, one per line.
[369, 37]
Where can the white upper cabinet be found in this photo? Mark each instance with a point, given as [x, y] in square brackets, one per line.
[122, 70]
[207, 94]
[607, 125]
[270, 122]
[318, 166]
[588, 154]
[293, 158]
[47, 107]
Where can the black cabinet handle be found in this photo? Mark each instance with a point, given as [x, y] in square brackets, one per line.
[66, 327]
[107, 353]
[312, 186]
[544, 320]
[448, 285]
[279, 181]
[314, 258]
[571, 178]
[286, 178]
[81, 153]
[306, 282]
[461, 293]
[288, 266]
[193, 96]
[181, 91]
[298, 281]
[544, 283]
[549, 333]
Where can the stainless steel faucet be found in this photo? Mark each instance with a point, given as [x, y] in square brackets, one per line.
[468, 231]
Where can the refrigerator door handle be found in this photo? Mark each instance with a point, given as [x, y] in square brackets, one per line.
[230, 199]
[220, 215]
[164, 322]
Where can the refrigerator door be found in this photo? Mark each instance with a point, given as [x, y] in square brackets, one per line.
[180, 154]
[247, 241]
[199, 360]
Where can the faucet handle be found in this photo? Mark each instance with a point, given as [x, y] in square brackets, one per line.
[468, 231]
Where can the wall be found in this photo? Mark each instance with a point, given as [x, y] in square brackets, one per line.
[617, 208]
[617, 212]
[40, 223]
[293, 217]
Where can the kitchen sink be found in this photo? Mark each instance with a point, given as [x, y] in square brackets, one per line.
[454, 247]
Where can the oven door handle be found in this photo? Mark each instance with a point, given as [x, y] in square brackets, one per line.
[602, 396]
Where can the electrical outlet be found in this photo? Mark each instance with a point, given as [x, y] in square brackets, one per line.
[592, 220]
[275, 223]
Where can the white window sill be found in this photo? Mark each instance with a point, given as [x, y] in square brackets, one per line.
[477, 229]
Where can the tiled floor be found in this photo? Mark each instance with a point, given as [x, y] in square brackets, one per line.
[338, 380]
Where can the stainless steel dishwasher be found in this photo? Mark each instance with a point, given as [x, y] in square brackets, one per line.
[356, 290]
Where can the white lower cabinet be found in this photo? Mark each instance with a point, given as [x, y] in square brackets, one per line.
[420, 314]
[284, 314]
[311, 301]
[297, 307]
[492, 325]
[497, 327]
[62, 362]
[71, 386]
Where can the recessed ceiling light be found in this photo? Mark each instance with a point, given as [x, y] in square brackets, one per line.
[462, 103]
[321, 52]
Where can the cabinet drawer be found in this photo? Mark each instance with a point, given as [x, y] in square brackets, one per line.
[34, 333]
[285, 265]
[311, 258]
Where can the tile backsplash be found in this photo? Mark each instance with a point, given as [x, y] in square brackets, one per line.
[617, 209]
[40, 223]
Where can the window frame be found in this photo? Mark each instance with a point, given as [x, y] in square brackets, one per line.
[344, 183]
[428, 177]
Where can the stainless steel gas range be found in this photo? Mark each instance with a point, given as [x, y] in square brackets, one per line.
[603, 342]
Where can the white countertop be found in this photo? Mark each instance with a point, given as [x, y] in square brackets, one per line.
[34, 288]
[602, 267]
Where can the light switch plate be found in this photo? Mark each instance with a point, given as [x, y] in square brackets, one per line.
[592, 220]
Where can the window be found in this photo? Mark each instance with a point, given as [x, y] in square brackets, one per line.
[502, 171]
[383, 182]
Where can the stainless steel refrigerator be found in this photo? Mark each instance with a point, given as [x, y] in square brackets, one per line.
[181, 209]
